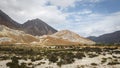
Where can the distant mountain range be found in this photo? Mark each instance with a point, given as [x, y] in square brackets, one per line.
[109, 38]
[33, 27]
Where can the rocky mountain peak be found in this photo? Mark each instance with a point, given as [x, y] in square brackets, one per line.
[34, 21]
[38, 27]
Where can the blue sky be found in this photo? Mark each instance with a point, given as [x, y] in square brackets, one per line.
[85, 17]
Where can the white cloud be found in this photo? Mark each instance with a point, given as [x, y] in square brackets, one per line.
[94, 1]
[23, 10]
[96, 24]
[63, 3]
[91, 1]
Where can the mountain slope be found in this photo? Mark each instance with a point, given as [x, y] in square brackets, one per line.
[50, 40]
[7, 21]
[65, 37]
[107, 38]
[73, 37]
[11, 36]
[38, 27]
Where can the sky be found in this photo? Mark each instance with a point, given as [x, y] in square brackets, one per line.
[85, 17]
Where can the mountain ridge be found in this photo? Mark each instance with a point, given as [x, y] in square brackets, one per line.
[72, 36]
[12, 36]
[109, 38]
[7, 21]
[40, 28]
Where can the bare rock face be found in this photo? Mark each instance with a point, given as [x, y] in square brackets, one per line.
[37, 27]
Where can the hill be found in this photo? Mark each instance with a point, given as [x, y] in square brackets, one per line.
[109, 38]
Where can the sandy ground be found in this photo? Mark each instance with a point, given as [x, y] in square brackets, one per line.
[79, 63]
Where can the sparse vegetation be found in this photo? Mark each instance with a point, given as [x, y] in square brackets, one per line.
[113, 63]
[53, 58]
[104, 60]
[59, 55]
[41, 63]
[92, 55]
[94, 64]
[15, 63]
[79, 55]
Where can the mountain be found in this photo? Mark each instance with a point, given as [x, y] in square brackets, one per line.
[37, 27]
[33, 27]
[51, 40]
[71, 36]
[64, 37]
[109, 38]
[7, 21]
[11, 36]
[20, 33]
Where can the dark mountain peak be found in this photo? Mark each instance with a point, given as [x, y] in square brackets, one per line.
[34, 22]
[37, 20]
[38, 27]
[7, 21]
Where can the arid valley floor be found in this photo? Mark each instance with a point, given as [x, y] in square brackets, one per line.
[96, 56]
